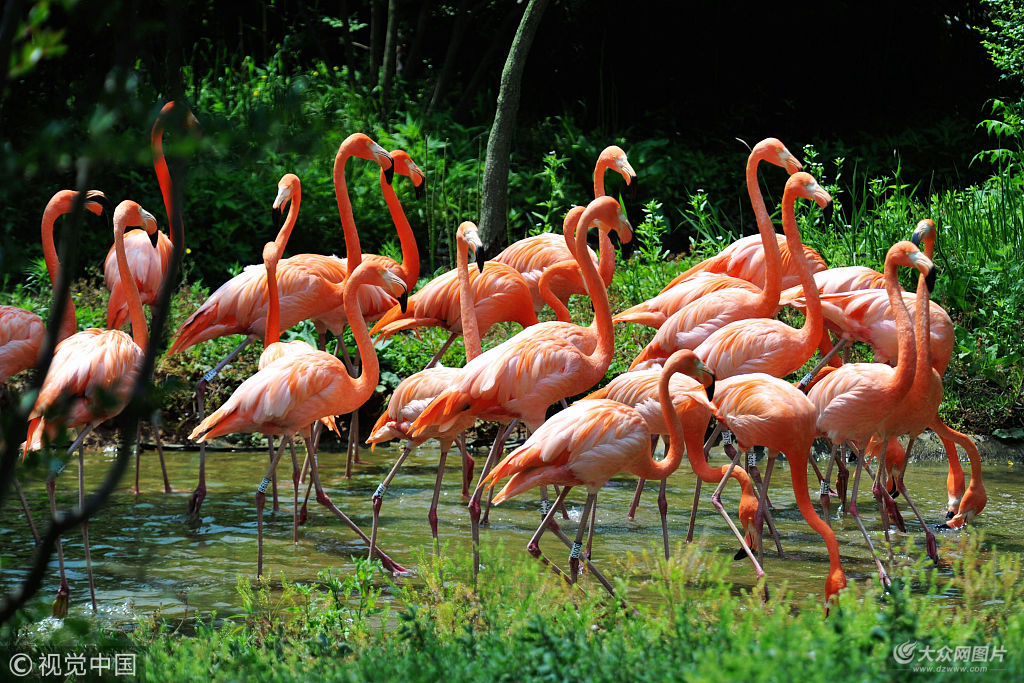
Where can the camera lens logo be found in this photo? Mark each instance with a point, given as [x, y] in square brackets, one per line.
[904, 652]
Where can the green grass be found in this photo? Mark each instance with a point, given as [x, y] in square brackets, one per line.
[523, 623]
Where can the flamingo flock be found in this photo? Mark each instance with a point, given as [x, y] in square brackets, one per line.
[720, 362]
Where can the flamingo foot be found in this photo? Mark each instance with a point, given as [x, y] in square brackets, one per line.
[60, 603]
[932, 547]
[533, 549]
[303, 515]
[432, 518]
[195, 503]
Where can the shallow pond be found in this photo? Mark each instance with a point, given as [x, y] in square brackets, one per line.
[147, 558]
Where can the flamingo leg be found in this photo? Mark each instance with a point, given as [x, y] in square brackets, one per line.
[467, 465]
[60, 604]
[261, 500]
[378, 496]
[554, 528]
[533, 547]
[840, 345]
[138, 456]
[593, 523]
[716, 500]
[762, 510]
[474, 501]
[296, 474]
[325, 500]
[24, 507]
[663, 510]
[577, 547]
[631, 514]
[432, 514]
[199, 494]
[440, 352]
[856, 517]
[85, 526]
[823, 491]
[155, 422]
[842, 477]
[878, 489]
[697, 485]
[273, 472]
[930, 545]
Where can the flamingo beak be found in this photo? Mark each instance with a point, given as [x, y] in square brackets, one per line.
[929, 279]
[154, 237]
[950, 514]
[387, 164]
[922, 229]
[403, 300]
[97, 202]
[421, 186]
[278, 217]
[710, 389]
[827, 211]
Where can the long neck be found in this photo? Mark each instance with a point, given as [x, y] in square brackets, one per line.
[285, 233]
[348, 222]
[70, 322]
[906, 365]
[544, 287]
[410, 268]
[163, 175]
[659, 470]
[272, 334]
[606, 256]
[772, 258]
[139, 332]
[367, 381]
[922, 336]
[467, 303]
[810, 333]
[602, 356]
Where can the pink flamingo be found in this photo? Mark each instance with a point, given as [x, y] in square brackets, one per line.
[530, 256]
[416, 391]
[311, 286]
[88, 380]
[850, 399]
[290, 393]
[687, 327]
[586, 445]
[520, 378]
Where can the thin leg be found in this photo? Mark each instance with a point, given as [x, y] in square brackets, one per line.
[85, 526]
[474, 501]
[440, 352]
[879, 491]
[762, 507]
[932, 548]
[696, 487]
[594, 571]
[160, 450]
[432, 514]
[324, 499]
[856, 517]
[663, 509]
[822, 363]
[196, 501]
[261, 500]
[631, 514]
[842, 477]
[60, 604]
[138, 457]
[716, 500]
[593, 523]
[823, 490]
[296, 475]
[533, 547]
[28, 513]
[273, 472]
[467, 465]
[378, 496]
[577, 547]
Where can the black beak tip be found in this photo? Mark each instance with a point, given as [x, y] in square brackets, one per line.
[632, 188]
[929, 279]
[710, 389]
[943, 527]
[950, 514]
[916, 238]
[154, 239]
[403, 301]
[389, 173]
[278, 216]
[421, 190]
[740, 554]
[827, 212]
[894, 491]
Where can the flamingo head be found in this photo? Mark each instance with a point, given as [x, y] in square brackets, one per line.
[804, 185]
[97, 202]
[607, 214]
[614, 157]
[925, 230]
[688, 363]
[971, 505]
[468, 232]
[362, 146]
[289, 188]
[395, 286]
[925, 266]
[404, 165]
[130, 214]
[774, 152]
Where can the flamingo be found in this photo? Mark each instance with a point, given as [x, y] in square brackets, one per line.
[416, 391]
[531, 255]
[148, 261]
[88, 382]
[639, 389]
[290, 393]
[21, 336]
[752, 249]
[764, 410]
[311, 286]
[586, 445]
[519, 379]
[850, 399]
[687, 327]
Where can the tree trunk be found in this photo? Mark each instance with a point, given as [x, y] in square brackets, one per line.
[494, 199]
[462, 14]
[388, 72]
[376, 33]
[414, 58]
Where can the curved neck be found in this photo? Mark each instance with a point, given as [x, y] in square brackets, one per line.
[163, 175]
[906, 364]
[602, 355]
[285, 233]
[772, 258]
[606, 253]
[69, 324]
[139, 332]
[272, 333]
[410, 268]
[565, 268]
[810, 333]
[659, 470]
[348, 222]
[922, 334]
[467, 303]
[367, 380]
